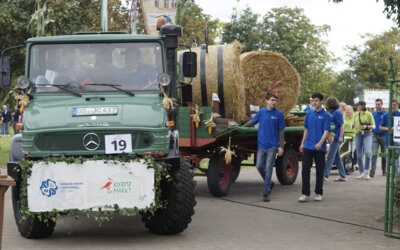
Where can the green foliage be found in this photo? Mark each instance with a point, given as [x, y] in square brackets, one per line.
[370, 64]
[194, 23]
[244, 28]
[98, 214]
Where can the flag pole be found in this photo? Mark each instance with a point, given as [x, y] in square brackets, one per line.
[104, 15]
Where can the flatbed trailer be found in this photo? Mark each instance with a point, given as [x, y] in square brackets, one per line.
[197, 145]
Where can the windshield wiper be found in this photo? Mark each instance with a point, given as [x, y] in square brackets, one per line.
[113, 86]
[63, 88]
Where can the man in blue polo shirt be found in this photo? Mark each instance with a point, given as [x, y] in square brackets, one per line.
[313, 145]
[270, 139]
[384, 126]
[378, 138]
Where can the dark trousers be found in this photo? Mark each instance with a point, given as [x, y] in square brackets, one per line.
[319, 158]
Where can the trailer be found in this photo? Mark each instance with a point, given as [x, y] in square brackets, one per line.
[196, 144]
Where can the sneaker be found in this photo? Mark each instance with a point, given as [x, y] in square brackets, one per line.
[325, 179]
[384, 173]
[359, 177]
[266, 198]
[340, 178]
[372, 174]
[367, 177]
[304, 198]
[318, 197]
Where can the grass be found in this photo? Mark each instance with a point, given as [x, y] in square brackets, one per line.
[5, 142]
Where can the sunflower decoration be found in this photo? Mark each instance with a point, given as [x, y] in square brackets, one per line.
[210, 124]
[22, 99]
[167, 102]
[196, 116]
[228, 152]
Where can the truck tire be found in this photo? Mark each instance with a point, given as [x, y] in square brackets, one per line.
[348, 163]
[32, 227]
[236, 163]
[219, 176]
[287, 167]
[180, 195]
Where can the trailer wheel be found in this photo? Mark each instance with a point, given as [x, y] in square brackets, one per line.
[348, 163]
[236, 164]
[32, 227]
[287, 167]
[181, 201]
[219, 176]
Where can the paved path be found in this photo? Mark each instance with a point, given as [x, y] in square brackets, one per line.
[240, 222]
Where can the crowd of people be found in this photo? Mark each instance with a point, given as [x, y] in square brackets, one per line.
[9, 117]
[367, 130]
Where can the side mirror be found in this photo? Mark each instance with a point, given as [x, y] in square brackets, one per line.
[5, 72]
[189, 64]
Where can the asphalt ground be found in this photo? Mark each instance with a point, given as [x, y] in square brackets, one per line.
[349, 217]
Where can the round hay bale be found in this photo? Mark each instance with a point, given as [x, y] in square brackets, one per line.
[262, 72]
[218, 71]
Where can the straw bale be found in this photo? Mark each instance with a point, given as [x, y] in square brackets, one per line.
[234, 89]
[261, 69]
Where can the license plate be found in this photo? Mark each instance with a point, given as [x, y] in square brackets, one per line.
[86, 111]
[118, 144]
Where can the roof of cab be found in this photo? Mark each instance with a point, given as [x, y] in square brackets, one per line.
[94, 37]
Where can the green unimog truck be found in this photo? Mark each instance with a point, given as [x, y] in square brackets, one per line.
[97, 130]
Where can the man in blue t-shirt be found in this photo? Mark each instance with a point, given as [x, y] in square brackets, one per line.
[384, 126]
[378, 138]
[313, 145]
[270, 139]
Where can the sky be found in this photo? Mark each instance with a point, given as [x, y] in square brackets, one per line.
[348, 20]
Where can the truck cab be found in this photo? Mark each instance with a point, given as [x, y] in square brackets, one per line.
[98, 95]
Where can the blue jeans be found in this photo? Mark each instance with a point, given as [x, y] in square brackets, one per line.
[265, 163]
[334, 156]
[4, 128]
[363, 144]
[378, 140]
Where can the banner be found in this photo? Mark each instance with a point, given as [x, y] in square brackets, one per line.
[63, 186]
[153, 9]
[370, 95]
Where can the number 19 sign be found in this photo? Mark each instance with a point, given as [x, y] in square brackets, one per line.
[117, 144]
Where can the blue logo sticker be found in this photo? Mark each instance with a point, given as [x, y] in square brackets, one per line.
[48, 188]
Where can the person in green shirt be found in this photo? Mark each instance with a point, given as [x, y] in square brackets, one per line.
[363, 123]
[349, 130]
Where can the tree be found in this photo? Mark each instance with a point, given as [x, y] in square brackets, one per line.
[290, 32]
[194, 23]
[243, 27]
[392, 8]
[370, 64]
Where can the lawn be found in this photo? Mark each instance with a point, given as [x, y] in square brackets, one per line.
[5, 148]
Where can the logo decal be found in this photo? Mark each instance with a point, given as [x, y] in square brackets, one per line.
[48, 188]
[108, 185]
[91, 141]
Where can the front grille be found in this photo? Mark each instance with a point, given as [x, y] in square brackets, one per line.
[73, 141]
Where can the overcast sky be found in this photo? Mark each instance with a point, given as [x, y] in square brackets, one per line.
[348, 20]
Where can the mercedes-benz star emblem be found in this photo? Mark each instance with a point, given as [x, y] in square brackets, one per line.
[91, 141]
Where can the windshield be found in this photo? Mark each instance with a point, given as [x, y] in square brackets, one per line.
[95, 67]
